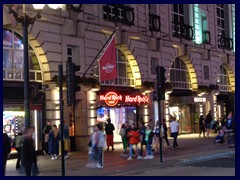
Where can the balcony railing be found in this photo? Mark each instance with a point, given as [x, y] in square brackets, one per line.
[183, 30]
[181, 85]
[224, 88]
[225, 42]
[120, 82]
[206, 37]
[10, 74]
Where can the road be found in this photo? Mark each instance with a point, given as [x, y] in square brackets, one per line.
[194, 157]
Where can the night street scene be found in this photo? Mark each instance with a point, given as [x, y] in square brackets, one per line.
[119, 90]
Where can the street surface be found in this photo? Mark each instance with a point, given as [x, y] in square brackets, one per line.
[195, 157]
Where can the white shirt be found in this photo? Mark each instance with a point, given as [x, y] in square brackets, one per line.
[174, 126]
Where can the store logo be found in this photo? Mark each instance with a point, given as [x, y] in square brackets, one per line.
[111, 98]
[108, 68]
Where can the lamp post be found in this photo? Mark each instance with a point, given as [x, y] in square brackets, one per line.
[26, 20]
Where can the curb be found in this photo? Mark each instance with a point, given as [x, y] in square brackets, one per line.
[203, 158]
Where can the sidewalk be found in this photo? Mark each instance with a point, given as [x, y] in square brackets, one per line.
[191, 148]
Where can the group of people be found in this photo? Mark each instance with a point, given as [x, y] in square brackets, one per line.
[52, 140]
[225, 126]
[147, 136]
[24, 145]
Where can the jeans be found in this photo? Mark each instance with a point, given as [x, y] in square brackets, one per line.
[131, 149]
[175, 135]
[149, 150]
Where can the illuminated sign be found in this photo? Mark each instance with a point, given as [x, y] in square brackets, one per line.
[199, 99]
[112, 98]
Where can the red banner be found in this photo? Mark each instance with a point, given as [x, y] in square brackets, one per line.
[108, 66]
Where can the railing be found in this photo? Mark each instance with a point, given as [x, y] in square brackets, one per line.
[119, 82]
[225, 42]
[206, 37]
[182, 30]
[181, 85]
[225, 88]
[17, 75]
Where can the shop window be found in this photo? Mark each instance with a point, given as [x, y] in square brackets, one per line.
[13, 62]
[179, 75]
[181, 25]
[206, 72]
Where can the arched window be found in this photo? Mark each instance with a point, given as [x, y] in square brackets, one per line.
[125, 75]
[179, 76]
[223, 80]
[13, 58]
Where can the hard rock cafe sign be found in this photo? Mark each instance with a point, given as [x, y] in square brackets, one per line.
[112, 99]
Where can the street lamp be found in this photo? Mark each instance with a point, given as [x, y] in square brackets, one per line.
[26, 20]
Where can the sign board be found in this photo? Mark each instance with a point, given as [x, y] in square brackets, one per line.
[112, 99]
[200, 99]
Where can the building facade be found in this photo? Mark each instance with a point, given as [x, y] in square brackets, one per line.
[195, 43]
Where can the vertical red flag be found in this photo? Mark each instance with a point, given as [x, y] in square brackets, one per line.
[107, 63]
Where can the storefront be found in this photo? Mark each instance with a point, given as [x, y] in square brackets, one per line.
[122, 106]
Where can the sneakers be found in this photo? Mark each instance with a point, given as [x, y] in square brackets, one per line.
[130, 158]
[67, 156]
[150, 157]
[146, 157]
[99, 166]
[139, 157]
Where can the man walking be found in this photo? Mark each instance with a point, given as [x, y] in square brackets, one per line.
[174, 128]
[109, 128]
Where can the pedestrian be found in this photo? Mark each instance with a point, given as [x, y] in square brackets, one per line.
[142, 138]
[109, 128]
[18, 142]
[133, 136]
[65, 139]
[201, 126]
[53, 143]
[29, 158]
[156, 137]
[174, 128]
[6, 150]
[47, 128]
[165, 130]
[148, 140]
[100, 143]
[230, 125]
[208, 121]
[122, 133]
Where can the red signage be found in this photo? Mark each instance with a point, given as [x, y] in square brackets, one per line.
[112, 98]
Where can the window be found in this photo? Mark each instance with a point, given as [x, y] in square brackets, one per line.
[153, 20]
[220, 19]
[154, 64]
[224, 31]
[70, 54]
[179, 75]
[223, 80]
[125, 75]
[181, 24]
[206, 72]
[13, 62]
